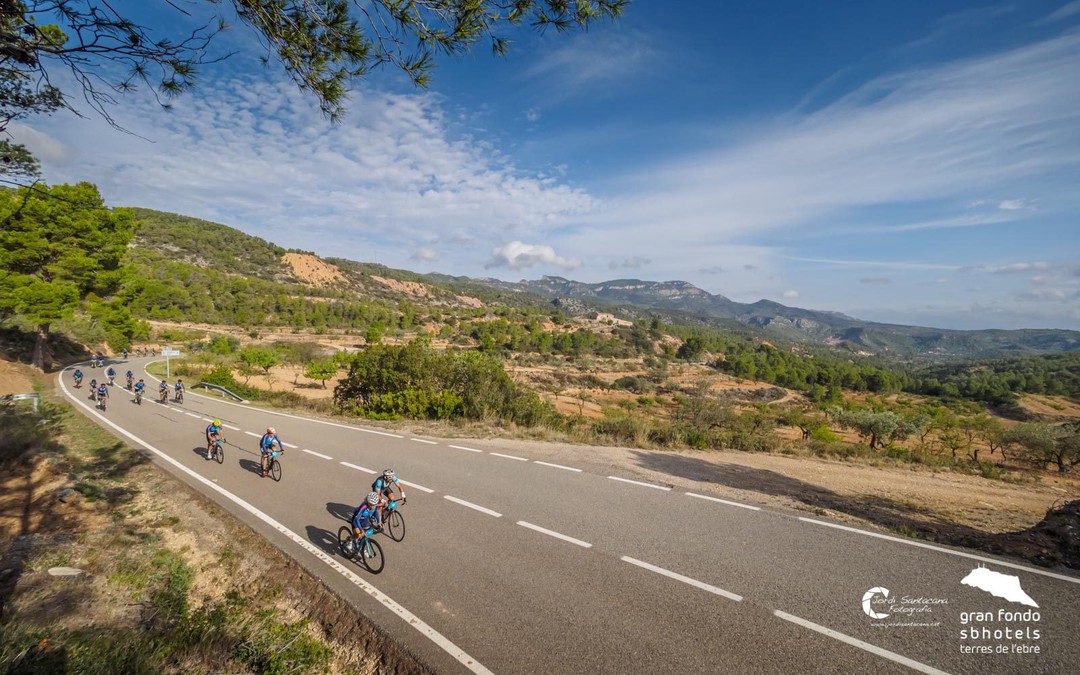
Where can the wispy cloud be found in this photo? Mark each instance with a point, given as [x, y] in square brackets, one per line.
[425, 254]
[1011, 205]
[631, 263]
[875, 280]
[954, 132]
[791, 295]
[1064, 12]
[1014, 268]
[258, 155]
[518, 255]
[884, 264]
[592, 62]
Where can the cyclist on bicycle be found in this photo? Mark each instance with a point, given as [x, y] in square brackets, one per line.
[266, 446]
[125, 353]
[78, 378]
[111, 373]
[140, 387]
[365, 519]
[386, 485]
[130, 378]
[102, 393]
[93, 389]
[163, 392]
[178, 390]
[213, 433]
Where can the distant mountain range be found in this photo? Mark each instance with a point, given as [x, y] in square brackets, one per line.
[212, 245]
[777, 321]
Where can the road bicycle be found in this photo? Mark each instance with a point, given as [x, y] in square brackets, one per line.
[179, 397]
[130, 383]
[215, 451]
[163, 397]
[138, 397]
[273, 466]
[102, 402]
[367, 551]
[394, 523]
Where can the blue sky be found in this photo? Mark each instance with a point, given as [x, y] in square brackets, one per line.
[899, 162]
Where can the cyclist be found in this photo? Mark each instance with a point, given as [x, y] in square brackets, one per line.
[111, 373]
[130, 379]
[163, 392]
[125, 353]
[266, 446]
[93, 389]
[140, 387]
[178, 396]
[213, 433]
[365, 518]
[386, 485]
[102, 394]
[78, 378]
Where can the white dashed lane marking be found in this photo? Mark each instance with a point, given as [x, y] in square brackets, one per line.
[679, 577]
[637, 482]
[557, 535]
[421, 440]
[557, 466]
[462, 447]
[359, 468]
[317, 454]
[724, 501]
[520, 459]
[414, 485]
[481, 509]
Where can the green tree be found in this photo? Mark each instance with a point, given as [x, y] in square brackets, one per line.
[58, 245]
[691, 348]
[259, 357]
[321, 370]
[1047, 444]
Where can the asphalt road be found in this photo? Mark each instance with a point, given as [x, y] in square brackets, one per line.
[511, 565]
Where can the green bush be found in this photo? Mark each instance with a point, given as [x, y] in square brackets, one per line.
[823, 434]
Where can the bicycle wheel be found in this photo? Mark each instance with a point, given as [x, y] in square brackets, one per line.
[395, 525]
[219, 453]
[372, 555]
[345, 542]
[275, 469]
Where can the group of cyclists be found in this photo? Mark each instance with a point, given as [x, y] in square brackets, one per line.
[367, 518]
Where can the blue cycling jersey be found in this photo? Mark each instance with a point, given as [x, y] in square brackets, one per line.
[213, 429]
[139, 387]
[103, 390]
[381, 483]
[365, 517]
[266, 444]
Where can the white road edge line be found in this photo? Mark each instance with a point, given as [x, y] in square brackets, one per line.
[582, 544]
[462, 447]
[416, 622]
[359, 468]
[289, 445]
[481, 509]
[499, 454]
[866, 646]
[279, 414]
[317, 454]
[420, 440]
[556, 466]
[229, 426]
[679, 577]
[724, 501]
[637, 482]
[414, 485]
[961, 554]
[252, 433]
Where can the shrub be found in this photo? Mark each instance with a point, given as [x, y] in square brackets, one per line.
[823, 434]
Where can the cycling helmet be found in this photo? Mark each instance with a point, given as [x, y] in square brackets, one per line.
[389, 473]
[373, 498]
[270, 430]
[217, 423]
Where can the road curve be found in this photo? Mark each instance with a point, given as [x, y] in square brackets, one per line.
[512, 564]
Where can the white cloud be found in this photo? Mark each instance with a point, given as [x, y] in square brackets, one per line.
[532, 115]
[42, 145]
[518, 255]
[948, 133]
[885, 264]
[791, 295]
[1047, 295]
[258, 155]
[425, 254]
[631, 263]
[875, 280]
[1064, 12]
[592, 63]
[1022, 267]
[1011, 205]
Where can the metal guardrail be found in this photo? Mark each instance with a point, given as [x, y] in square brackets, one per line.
[217, 387]
[22, 397]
